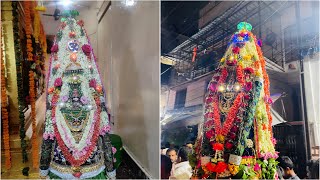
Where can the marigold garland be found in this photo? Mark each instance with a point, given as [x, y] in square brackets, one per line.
[28, 29]
[36, 26]
[32, 92]
[266, 85]
[5, 116]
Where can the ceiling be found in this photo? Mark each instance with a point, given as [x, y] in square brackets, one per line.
[50, 25]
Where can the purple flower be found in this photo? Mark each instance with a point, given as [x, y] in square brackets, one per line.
[86, 48]
[58, 82]
[84, 100]
[64, 98]
[55, 48]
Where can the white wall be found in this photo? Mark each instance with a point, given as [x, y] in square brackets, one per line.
[311, 87]
[128, 58]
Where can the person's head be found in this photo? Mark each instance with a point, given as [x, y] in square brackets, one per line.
[280, 172]
[183, 154]
[166, 166]
[287, 165]
[189, 144]
[172, 154]
[167, 145]
[313, 169]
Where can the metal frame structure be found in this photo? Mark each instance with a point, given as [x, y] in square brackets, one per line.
[212, 40]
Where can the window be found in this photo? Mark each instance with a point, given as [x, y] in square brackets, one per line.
[180, 98]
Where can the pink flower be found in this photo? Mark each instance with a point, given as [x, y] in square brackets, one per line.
[268, 100]
[51, 136]
[45, 136]
[105, 129]
[55, 48]
[209, 99]
[274, 141]
[114, 160]
[248, 86]
[213, 87]
[256, 167]
[54, 120]
[58, 82]
[93, 83]
[114, 150]
[86, 48]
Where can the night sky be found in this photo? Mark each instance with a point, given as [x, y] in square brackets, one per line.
[179, 20]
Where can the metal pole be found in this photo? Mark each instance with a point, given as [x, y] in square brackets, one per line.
[301, 78]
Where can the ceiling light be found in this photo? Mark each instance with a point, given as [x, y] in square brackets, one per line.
[66, 2]
[129, 2]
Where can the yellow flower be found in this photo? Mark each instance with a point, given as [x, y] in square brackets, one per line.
[247, 57]
[258, 74]
[220, 138]
[222, 60]
[41, 8]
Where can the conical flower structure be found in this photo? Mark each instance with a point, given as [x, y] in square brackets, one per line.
[75, 140]
[235, 139]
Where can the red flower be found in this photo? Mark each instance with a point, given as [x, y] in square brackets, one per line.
[223, 77]
[248, 86]
[209, 123]
[86, 48]
[210, 134]
[210, 167]
[236, 50]
[220, 167]
[242, 34]
[58, 82]
[232, 136]
[72, 34]
[55, 48]
[246, 97]
[229, 145]
[209, 100]
[234, 129]
[216, 78]
[231, 63]
[218, 146]
[248, 70]
[209, 115]
[93, 83]
[80, 23]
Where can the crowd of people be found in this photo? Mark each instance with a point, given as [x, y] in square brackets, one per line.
[175, 161]
[175, 164]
